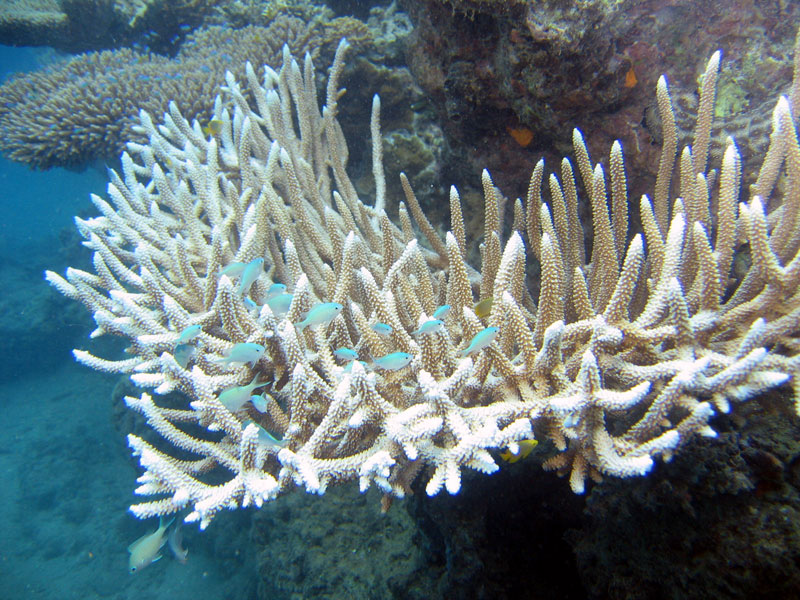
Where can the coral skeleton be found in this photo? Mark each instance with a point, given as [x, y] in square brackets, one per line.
[620, 354]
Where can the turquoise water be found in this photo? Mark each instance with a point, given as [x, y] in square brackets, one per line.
[723, 514]
[66, 477]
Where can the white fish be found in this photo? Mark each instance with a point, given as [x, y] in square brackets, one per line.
[144, 551]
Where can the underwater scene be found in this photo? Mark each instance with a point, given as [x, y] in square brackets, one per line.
[413, 299]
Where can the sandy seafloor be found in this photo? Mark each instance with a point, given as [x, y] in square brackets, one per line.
[66, 476]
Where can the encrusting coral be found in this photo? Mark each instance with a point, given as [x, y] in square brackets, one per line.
[624, 357]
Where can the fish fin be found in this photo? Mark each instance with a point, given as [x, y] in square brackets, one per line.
[156, 558]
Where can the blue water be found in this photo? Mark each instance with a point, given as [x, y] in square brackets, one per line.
[66, 477]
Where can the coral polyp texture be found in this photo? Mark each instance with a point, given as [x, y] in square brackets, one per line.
[85, 109]
[624, 355]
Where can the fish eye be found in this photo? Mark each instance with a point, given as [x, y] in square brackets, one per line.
[133, 569]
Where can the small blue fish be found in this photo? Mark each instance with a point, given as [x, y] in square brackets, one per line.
[441, 312]
[265, 438]
[276, 289]
[382, 329]
[480, 341]
[394, 361]
[349, 366]
[251, 272]
[346, 354]
[260, 401]
[321, 313]
[235, 398]
[191, 332]
[233, 269]
[183, 354]
[243, 353]
[280, 304]
[429, 327]
[249, 304]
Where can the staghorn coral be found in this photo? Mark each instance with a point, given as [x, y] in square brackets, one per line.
[625, 357]
[85, 109]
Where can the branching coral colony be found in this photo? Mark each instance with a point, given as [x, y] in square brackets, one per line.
[624, 357]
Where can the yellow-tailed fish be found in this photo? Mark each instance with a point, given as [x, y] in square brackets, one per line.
[246, 352]
[280, 304]
[321, 313]
[234, 398]
[251, 272]
[524, 448]
[213, 127]
[382, 329]
[144, 551]
[480, 341]
[175, 542]
[430, 326]
[188, 334]
[183, 354]
[484, 307]
[394, 361]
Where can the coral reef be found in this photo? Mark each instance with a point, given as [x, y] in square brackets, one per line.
[85, 109]
[631, 348]
[160, 25]
[550, 66]
[22, 21]
[314, 548]
[732, 508]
